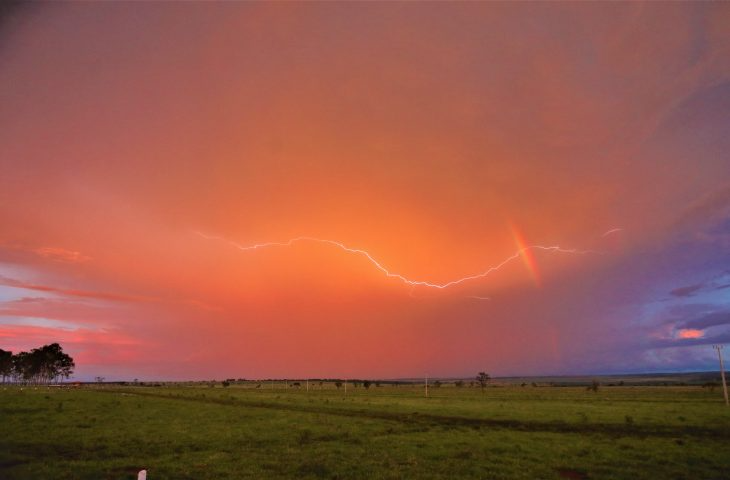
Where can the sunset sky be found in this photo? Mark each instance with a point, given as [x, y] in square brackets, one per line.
[431, 188]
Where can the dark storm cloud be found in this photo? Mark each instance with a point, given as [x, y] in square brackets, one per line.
[710, 320]
[686, 291]
[689, 342]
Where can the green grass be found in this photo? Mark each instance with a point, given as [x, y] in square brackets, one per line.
[385, 432]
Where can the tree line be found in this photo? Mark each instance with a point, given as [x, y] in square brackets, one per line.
[42, 365]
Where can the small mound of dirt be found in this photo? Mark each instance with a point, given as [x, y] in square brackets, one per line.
[571, 474]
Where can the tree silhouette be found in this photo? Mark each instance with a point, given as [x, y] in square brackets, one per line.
[483, 379]
[41, 365]
[6, 364]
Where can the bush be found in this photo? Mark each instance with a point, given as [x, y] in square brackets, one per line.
[710, 385]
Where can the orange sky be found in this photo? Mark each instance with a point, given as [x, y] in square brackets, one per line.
[441, 139]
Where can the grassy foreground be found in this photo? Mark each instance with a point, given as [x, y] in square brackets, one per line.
[383, 432]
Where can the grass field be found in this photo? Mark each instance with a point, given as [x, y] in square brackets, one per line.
[384, 432]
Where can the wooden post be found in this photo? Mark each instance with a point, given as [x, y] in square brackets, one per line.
[427, 385]
[722, 372]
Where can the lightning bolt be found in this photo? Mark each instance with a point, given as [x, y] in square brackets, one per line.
[389, 274]
[613, 230]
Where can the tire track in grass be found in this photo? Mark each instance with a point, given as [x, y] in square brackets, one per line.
[609, 429]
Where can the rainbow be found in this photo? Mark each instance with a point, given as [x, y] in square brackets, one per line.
[527, 255]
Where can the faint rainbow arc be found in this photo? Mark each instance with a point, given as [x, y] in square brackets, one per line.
[527, 255]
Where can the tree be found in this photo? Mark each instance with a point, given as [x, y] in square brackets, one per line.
[21, 367]
[459, 383]
[6, 364]
[41, 365]
[483, 379]
[437, 384]
[338, 384]
[366, 384]
[593, 387]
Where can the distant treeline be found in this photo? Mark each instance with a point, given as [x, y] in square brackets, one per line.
[42, 365]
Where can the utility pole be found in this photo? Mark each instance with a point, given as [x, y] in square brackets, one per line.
[345, 386]
[427, 385]
[307, 384]
[722, 372]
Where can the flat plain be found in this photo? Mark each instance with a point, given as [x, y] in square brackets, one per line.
[264, 430]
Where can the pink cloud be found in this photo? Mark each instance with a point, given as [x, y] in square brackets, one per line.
[52, 253]
[61, 255]
[9, 282]
[690, 333]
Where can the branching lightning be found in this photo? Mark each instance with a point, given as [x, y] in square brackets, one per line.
[613, 230]
[477, 297]
[405, 280]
